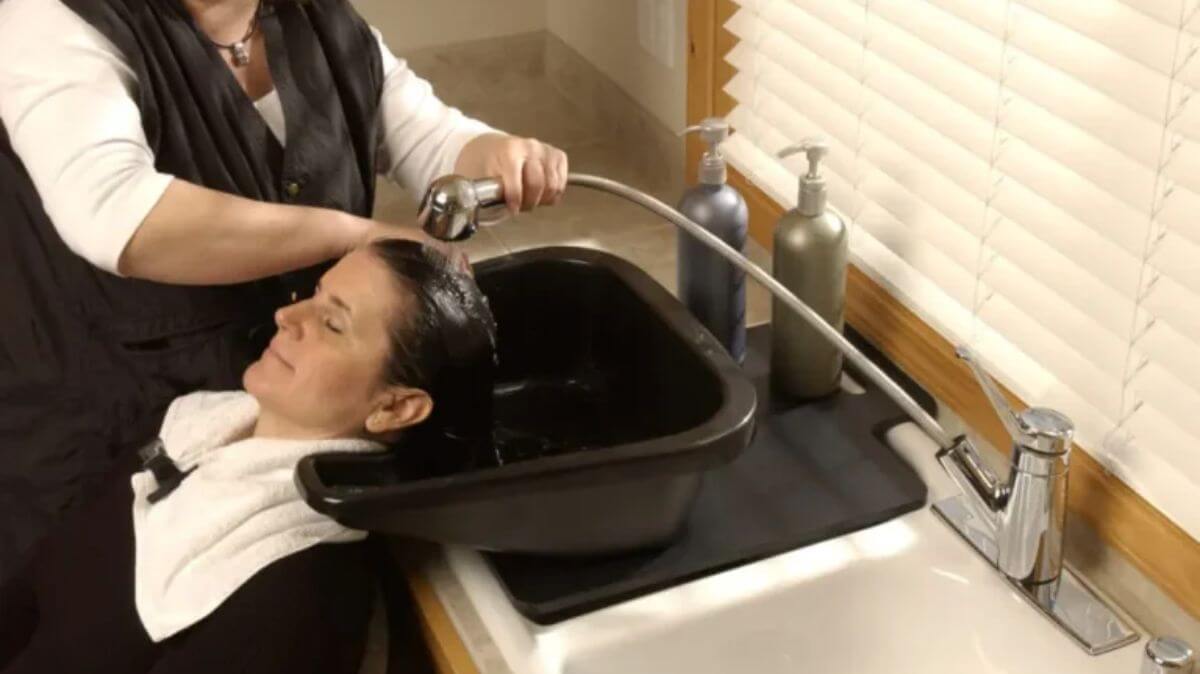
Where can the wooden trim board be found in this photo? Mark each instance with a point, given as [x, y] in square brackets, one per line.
[701, 35]
[1125, 521]
[449, 653]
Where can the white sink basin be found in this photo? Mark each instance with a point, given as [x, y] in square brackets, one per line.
[905, 596]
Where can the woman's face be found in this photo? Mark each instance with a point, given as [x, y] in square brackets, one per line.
[322, 374]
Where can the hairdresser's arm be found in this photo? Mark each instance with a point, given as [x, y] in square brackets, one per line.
[191, 227]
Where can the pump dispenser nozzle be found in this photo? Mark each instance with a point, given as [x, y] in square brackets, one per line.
[713, 131]
[811, 201]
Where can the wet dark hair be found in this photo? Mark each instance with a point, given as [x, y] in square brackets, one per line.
[446, 346]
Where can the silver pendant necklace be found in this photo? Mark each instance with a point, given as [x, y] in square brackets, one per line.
[240, 50]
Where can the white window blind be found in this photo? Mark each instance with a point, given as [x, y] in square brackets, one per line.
[1024, 174]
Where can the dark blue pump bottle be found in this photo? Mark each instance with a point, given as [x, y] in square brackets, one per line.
[709, 286]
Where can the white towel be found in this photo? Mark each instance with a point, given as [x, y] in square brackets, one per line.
[237, 512]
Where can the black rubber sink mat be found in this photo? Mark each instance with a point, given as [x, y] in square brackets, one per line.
[813, 472]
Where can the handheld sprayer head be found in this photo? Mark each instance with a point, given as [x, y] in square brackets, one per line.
[450, 208]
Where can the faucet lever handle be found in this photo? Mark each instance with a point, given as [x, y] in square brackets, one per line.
[1038, 428]
[1008, 416]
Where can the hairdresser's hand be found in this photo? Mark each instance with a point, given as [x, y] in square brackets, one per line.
[382, 230]
[532, 172]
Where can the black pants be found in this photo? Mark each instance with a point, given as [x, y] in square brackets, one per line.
[71, 608]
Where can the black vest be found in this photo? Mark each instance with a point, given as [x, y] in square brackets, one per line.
[89, 360]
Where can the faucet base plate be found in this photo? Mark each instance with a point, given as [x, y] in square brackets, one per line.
[1069, 604]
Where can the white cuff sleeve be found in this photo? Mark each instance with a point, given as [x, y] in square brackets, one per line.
[66, 101]
[420, 136]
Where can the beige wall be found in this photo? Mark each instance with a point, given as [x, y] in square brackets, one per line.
[605, 32]
[415, 24]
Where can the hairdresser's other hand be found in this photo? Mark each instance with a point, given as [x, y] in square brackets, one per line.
[382, 230]
[533, 173]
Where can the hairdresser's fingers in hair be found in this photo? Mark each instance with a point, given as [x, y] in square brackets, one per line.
[456, 257]
[383, 230]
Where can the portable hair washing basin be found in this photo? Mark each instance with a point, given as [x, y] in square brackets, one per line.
[597, 360]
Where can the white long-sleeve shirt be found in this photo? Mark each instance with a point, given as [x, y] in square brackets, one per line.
[67, 102]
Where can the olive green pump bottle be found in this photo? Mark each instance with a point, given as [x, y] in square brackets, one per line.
[810, 257]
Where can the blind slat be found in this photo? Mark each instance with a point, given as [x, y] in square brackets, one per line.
[1112, 25]
[1122, 79]
[1167, 12]
[1035, 83]
[902, 69]
[950, 197]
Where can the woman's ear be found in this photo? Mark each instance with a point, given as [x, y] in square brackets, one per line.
[399, 408]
